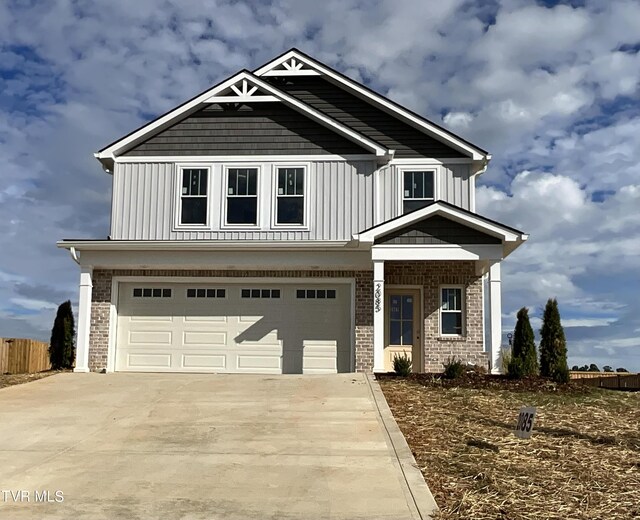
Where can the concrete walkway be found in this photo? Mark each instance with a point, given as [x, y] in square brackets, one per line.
[142, 446]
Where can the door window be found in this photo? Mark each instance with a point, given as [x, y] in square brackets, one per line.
[401, 319]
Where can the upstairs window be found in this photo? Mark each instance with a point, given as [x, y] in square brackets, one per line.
[290, 196]
[451, 311]
[242, 196]
[193, 196]
[418, 189]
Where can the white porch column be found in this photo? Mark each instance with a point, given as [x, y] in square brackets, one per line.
[495, 316]
[84, 319]
[378, 316]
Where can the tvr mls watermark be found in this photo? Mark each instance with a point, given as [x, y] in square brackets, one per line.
[25, 495]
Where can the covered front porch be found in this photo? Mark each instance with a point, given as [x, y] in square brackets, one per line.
[431, 310]
[437, 287]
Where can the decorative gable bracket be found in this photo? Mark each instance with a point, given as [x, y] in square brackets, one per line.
[292, 67]
[241, 92]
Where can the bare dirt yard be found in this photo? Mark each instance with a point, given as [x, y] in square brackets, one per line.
[582, 462]
[18, 379]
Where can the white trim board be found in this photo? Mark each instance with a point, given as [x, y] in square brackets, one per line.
[406, 252]
[231, 260]
[241, 158]
[418, 122]
[201, 245]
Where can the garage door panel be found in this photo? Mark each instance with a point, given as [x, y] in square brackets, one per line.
[151, 319]
[320, 357]
[153, 338]
[207, 320]
[155, 360]
[208, 339]
[234, 334]
[258, 361]
[209, 361]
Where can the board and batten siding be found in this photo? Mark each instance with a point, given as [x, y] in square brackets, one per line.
[454, 187]
[341, 197]
[341, 203]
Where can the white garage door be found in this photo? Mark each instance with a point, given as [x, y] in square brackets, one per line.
[200, 327]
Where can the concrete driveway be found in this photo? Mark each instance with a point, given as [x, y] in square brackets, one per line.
[138, 446]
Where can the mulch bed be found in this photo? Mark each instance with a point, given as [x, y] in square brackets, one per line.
[18, 379]
[582, 462]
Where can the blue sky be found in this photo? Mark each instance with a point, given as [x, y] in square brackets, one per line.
[550, 88]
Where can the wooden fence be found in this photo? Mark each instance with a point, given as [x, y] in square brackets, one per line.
[23, 356]
[578, 374]
[612, 380]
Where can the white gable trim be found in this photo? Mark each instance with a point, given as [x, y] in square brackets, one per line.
[292, 67]
[429, 128]
[211, 96]
[505, 234]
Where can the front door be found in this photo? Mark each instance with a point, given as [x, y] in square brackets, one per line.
[402, 327]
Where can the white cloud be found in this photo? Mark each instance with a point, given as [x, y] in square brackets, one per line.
[33, 305]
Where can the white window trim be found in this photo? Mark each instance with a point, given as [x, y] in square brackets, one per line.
[417, 167]
[177, 203]
[225, 193]
[274, 196]
[463, 311]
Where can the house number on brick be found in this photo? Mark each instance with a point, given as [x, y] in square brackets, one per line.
[377, 297]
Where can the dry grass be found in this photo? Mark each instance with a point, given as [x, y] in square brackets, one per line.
[18, 379]
[582, 462]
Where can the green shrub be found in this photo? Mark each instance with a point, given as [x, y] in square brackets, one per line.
[524, 359]
[402, 365]
[453, 368]
[515, 369]
[62, 347]
[553, 345]
[560, 374]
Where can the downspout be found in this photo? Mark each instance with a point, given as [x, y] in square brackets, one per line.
[74, 255]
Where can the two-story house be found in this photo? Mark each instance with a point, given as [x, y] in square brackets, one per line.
[291, 220]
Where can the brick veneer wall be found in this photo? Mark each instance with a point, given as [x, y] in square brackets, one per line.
[431, 275]
[101, 301]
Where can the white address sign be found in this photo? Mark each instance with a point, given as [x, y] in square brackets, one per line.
[526, 419]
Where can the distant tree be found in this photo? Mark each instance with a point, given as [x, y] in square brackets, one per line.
[621, 369]
[553, 345]
[607, 368]
[524, 359]
[62, 348]
[593, 368]
[575, 368]
[584, 368]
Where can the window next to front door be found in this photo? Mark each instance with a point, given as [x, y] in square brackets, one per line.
[193, 197]
[451, 311]
[418, 189]
[242, 196]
